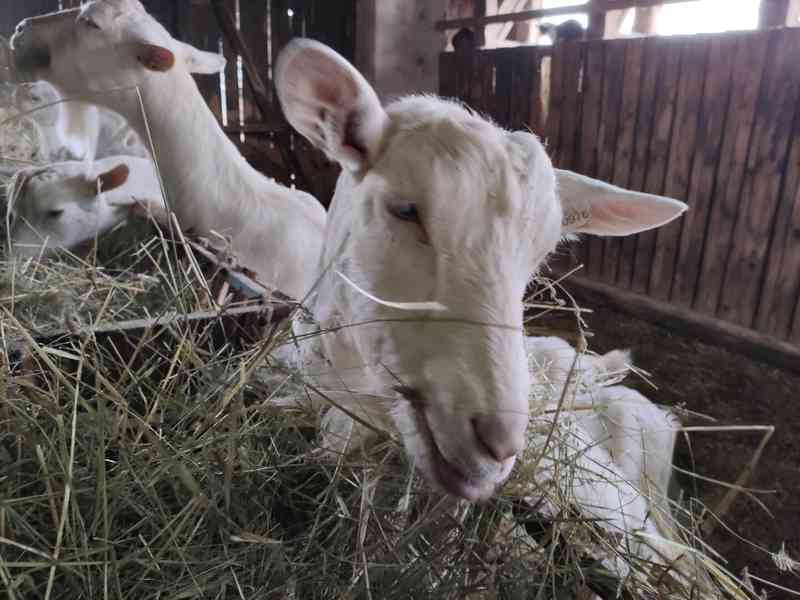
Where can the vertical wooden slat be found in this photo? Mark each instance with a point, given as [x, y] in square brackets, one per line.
[198, 27]
[623, 159]
[571, 80]
[794, 336]
[231, 75]
[653, 58]
[761, 191]
[658, 156]
[254, 32]
[706, 162]
[591, 112]
[681, 155]
[607, 142]
[782, 287]
[524, 71]
[536, 118]
[504, 61]
[751, 55]
[448, 75]
[782, 284]
[556, 103]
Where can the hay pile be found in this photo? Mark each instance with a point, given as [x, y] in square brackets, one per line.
[171, 474]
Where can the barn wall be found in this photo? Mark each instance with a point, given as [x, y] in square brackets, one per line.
[712, 120]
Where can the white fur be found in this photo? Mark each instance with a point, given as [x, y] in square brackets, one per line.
[72, 130]
[490, 213]
[275, 231]
[60, 205]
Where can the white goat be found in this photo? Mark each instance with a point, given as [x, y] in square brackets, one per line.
[438, 223]
[65, 204]
[99, 54]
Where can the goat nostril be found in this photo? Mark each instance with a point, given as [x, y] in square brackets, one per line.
[500, 435]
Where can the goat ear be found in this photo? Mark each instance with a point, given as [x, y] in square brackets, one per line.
[111, 180]
[330, 103]
[155, 58]
[200, 61]
[593, 206]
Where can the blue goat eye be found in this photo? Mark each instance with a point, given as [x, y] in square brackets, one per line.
[405, 212]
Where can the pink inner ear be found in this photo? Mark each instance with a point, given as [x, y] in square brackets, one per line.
[114, 178]
[156, 58]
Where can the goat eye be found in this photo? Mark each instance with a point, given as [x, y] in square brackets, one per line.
[89, 23]
[405, 212]
[55, 213]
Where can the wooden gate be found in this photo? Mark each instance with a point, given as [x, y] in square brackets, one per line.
[712, 120]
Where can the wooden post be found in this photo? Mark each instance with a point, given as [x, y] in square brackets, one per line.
[645, 20]
[773, 13]
[597, 20]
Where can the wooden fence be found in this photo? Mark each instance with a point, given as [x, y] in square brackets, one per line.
[713, 120]
[264, 27]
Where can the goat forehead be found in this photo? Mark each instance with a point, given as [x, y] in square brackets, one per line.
[468, 177]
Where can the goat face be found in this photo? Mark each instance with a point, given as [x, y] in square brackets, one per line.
[105, 45]
[437, 205]
[62, 206]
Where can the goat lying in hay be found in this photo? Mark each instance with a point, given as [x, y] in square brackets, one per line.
[66, 204]
[101, 53]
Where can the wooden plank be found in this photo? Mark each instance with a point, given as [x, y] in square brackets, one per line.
[751, 55]
[448, 75]
[658, 154]
[536, 114]
[624, 159]
[680, 320]
[761, 191]
[607, 140]
[716, 96]
[773, 13]
[571, 82]
[523, 70]
[591, 112]
[502, 85]
[198, 27]
[654, 49]
[556, 102]
[231, 56]
[782, 284]
[794, 336]
[681, 155]
[253, 29]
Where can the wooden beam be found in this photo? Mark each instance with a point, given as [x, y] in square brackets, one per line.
[527, 15]
[687, 322]
[234, 37]
[773, 13]
[512, 17]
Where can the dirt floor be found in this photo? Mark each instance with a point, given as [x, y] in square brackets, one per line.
[736, 391]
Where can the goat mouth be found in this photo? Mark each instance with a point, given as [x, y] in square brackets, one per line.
[443, 473]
